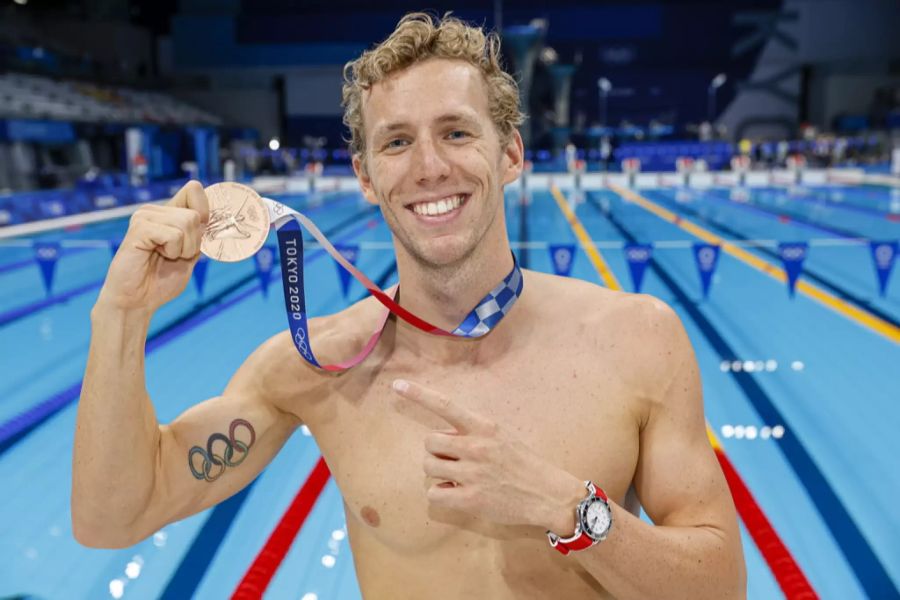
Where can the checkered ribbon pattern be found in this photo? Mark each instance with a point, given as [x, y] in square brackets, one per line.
[494, 306]
[486, 315]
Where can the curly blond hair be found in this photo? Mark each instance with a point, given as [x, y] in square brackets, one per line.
[418, 37]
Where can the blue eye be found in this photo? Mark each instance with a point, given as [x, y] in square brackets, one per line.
[458, 134]
[395, 143]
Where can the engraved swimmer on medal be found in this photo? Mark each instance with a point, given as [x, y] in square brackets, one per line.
[238, 223]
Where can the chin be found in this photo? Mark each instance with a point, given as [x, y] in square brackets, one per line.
[442, 253]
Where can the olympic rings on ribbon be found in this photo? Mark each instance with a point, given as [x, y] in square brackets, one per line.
[211, 459]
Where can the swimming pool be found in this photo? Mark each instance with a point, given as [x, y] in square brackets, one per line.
[819, 371]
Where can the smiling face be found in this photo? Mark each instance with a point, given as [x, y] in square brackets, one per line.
[434, 160]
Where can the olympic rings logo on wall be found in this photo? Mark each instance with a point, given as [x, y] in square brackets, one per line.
[211, 460]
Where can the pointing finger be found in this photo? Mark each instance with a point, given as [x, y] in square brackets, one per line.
[463, 419]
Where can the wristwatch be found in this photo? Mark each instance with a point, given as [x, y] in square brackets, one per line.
[593, 520]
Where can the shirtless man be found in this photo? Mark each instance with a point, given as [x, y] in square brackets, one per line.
[450, 486]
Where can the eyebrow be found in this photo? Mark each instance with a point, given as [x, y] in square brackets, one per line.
[456, 118]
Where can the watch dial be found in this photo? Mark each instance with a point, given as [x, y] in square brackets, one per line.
[597, 517]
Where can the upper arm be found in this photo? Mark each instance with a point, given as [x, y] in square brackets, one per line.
[215, 448]
[678, 478]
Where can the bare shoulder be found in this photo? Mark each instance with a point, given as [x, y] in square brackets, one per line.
[641, 334]
[593, 301]
[282, 377]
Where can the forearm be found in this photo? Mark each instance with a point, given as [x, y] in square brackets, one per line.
[116, 433]
[639, 560]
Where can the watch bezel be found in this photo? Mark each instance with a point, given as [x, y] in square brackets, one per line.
[583, 523]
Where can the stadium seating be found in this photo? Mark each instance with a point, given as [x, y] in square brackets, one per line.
[33, 96]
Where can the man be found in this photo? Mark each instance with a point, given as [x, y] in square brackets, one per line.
[454, 456]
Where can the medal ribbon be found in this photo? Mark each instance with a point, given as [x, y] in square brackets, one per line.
[485, 316]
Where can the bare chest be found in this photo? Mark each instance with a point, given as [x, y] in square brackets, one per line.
[577, 416]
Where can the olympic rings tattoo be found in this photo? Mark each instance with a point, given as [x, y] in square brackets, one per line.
[211, 459]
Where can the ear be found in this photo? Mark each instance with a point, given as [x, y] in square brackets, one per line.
[513, 158]
[365, 182]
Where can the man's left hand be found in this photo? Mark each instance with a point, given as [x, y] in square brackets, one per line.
[487, 471]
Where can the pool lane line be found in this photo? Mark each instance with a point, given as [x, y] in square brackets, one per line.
[784, 217]
[864, 562]
[263, 568]
[862, 317]
[18, 427]
[782, 564]
[21, 312]
[809, 273]
[784, 567]
[29, 262]
[199, 556]
[15, 314]
[821, 199]
[587, 244]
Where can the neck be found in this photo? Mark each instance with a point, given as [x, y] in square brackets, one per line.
[444, 296]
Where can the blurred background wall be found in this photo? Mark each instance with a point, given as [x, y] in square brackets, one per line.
[255, 71]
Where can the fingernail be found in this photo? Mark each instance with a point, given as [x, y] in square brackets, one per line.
[400, 385]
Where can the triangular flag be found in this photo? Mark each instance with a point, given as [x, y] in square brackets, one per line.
[638, 256]
[884, 254]
[200, 273]
[46, 254]
[351, 253]
[707, 258]
[792, 255]
[265, 261]
[562, 256]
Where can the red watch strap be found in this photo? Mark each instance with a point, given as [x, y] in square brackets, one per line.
[580, 543]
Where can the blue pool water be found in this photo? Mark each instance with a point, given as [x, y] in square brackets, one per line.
[827, 485]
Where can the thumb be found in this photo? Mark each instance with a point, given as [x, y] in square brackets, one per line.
[192, 196]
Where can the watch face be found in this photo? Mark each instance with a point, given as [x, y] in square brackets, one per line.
[596, 518]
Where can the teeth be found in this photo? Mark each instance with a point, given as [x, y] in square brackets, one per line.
[441, 207]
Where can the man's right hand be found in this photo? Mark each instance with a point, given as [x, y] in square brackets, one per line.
[154, 262]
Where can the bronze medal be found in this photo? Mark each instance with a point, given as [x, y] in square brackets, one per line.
[238, 222]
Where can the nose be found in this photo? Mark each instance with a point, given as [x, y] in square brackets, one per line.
[430, 165]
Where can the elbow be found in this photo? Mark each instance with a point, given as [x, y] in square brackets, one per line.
[93, 536]
[101, 525]
[95, 531]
